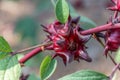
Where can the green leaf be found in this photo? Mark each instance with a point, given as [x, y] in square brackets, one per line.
[4, 46]
[85, 75]
[3, 55]
[33, 77]
[47, 67]
[85, 22]
[62, 11]
[117, 56]
[10, 68]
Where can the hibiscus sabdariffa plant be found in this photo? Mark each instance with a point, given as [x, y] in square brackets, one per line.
[67, 38]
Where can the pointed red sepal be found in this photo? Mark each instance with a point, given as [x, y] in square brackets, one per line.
[114, 8]
[106, 51]
[65, 57]
[83, 55]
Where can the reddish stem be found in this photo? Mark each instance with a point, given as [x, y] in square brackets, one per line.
[30, 54]
[113, 61]
[34, 52]
[100, 28]
[33, 47]
[114, 70]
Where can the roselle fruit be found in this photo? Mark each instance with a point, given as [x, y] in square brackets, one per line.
[112, 40]
[68, 43]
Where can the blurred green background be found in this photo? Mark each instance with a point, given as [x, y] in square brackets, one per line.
[20, 22]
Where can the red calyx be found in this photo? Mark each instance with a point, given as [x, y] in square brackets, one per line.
[68, 43]
[112, 40]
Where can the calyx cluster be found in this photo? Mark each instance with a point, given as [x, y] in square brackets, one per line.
[68, 43]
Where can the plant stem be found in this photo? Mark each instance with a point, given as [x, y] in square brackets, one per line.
[100, 28]
[114, 70]
[99, 40]
[30, 54]
[33, 52]
[30, 48]
[113, 61]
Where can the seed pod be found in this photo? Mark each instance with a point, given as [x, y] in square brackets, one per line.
[112, 40]
[68, 43]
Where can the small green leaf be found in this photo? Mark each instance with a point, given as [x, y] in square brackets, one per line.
[47, 67]
[85, 75]
[117, 57]
[10, 68]
[62, 11]
[4, 46]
